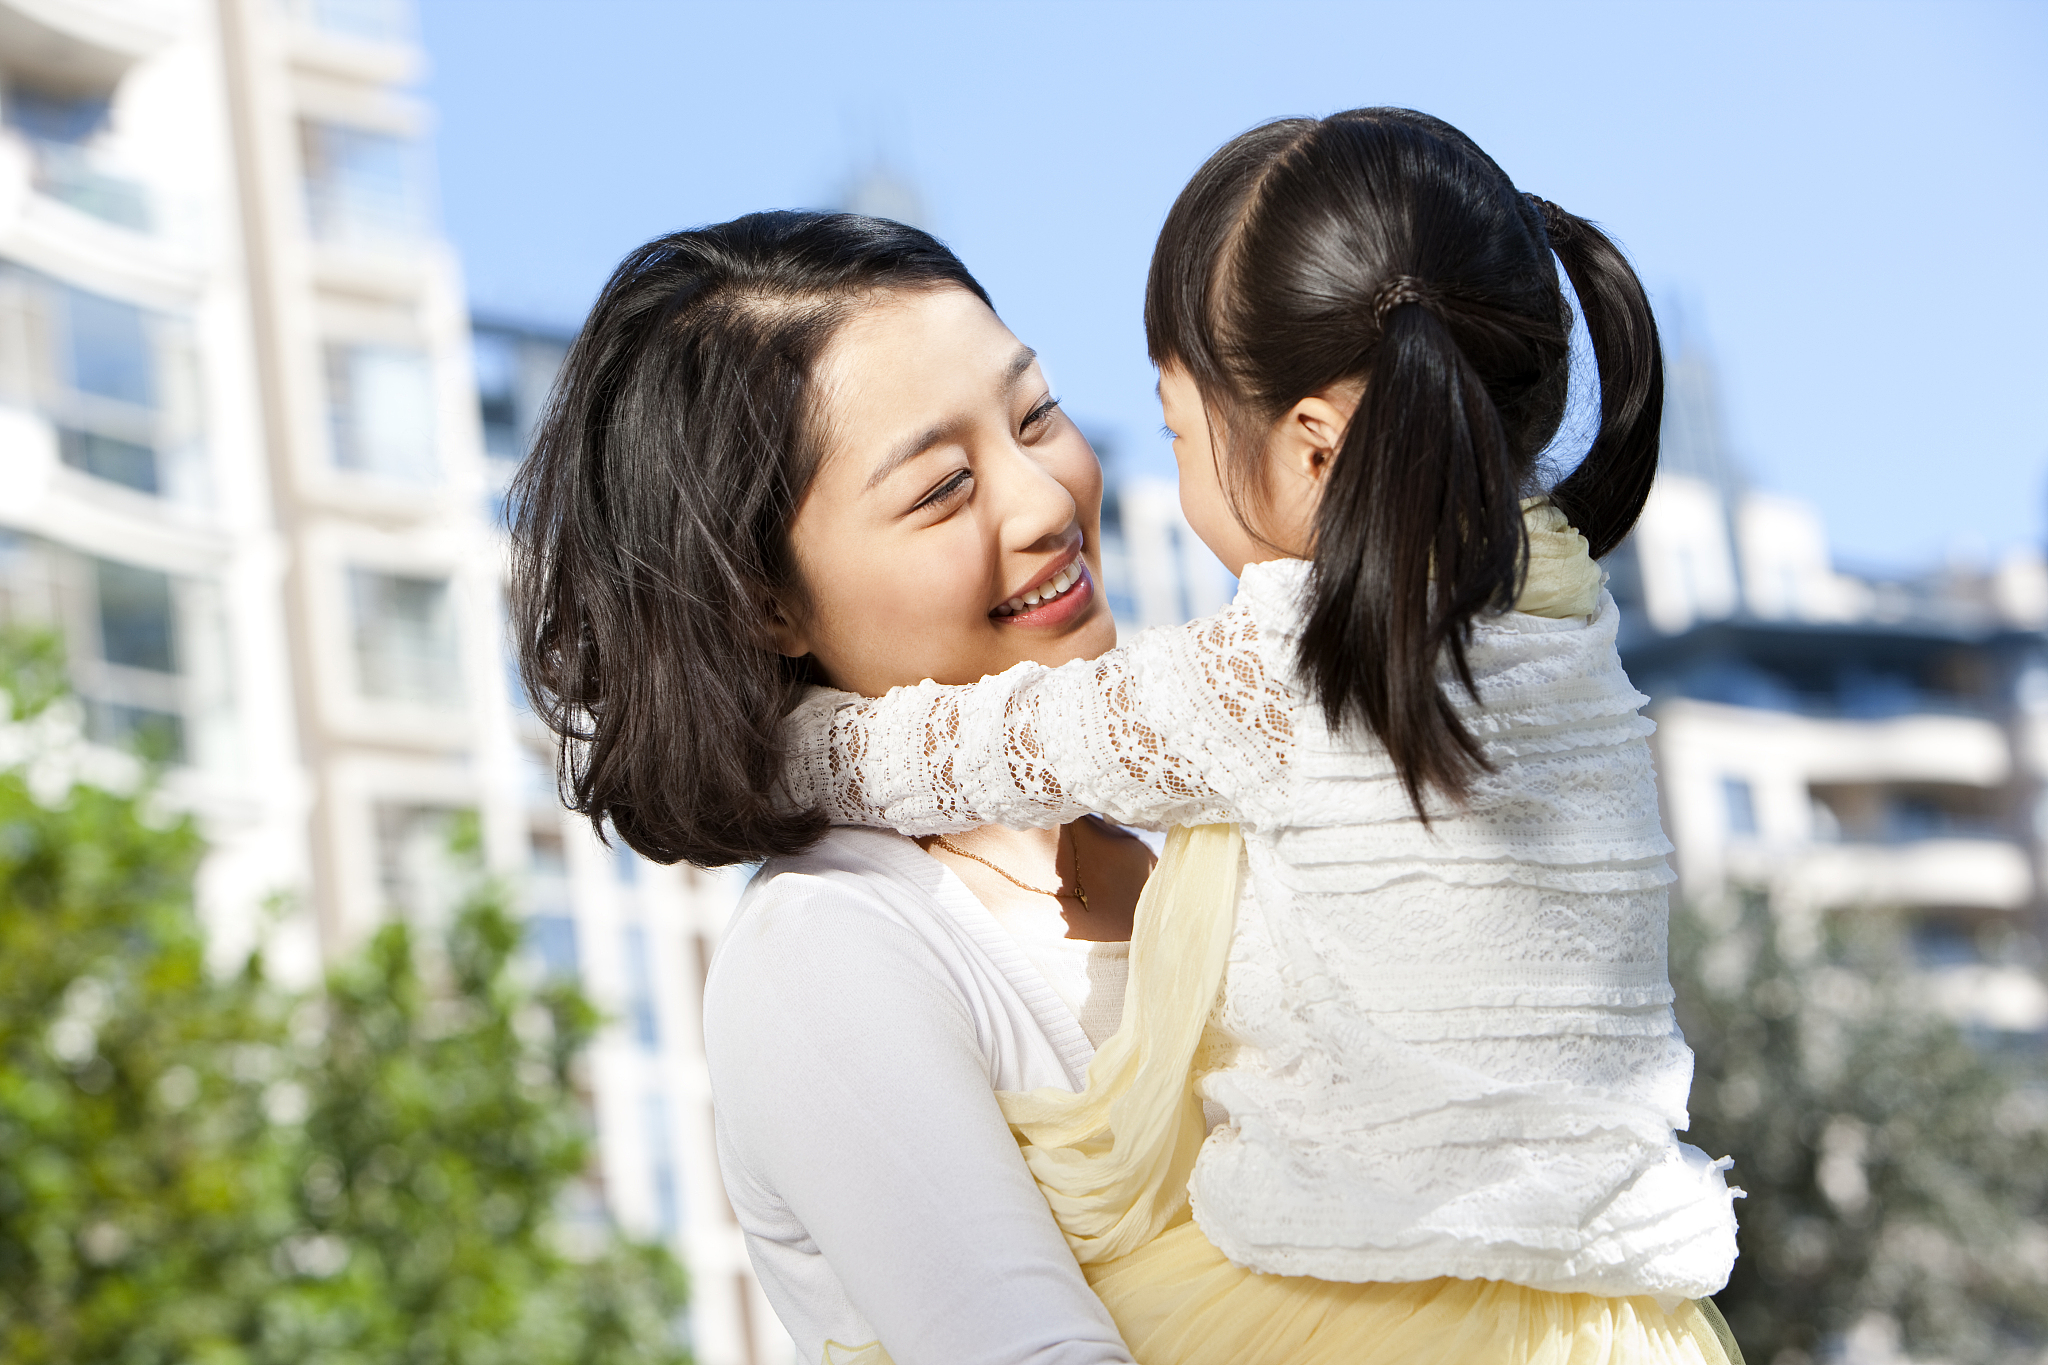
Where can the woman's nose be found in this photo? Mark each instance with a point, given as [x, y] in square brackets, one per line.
[1037, 510]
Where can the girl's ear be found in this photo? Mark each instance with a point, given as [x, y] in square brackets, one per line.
[1299, 454]
[784, 635]
[1311, 432]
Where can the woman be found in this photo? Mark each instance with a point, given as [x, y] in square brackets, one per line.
[801, 448]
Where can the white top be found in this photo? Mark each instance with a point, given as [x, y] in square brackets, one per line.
[861, 1013]
[1089, 978]
[1459, 1052]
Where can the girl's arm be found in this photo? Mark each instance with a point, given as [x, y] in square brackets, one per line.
[1172, 729]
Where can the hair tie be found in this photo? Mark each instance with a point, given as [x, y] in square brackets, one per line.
[1397, 291]
[1556, 222]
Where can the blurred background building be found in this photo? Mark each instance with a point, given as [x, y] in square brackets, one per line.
[1841, 741]
[243, 470]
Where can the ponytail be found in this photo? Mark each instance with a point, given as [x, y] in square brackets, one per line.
[1394, 588]
[1382, 246]
[1603, 497]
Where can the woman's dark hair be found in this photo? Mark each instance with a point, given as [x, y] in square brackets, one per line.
[1382, 246]
[651, 531]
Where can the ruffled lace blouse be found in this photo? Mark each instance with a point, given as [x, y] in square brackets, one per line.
[1455, 1051]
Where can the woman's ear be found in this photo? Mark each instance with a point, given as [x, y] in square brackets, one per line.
[784, 635]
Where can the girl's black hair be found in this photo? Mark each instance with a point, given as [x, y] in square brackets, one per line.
[1382, 246]
[651, 531]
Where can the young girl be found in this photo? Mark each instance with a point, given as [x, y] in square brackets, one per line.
[1445, 1043]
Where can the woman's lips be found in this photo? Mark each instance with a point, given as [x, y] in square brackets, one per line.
[1058, 610]
[1056, 579]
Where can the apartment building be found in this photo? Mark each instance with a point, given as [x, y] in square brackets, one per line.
[244, 472]
[1843, 741]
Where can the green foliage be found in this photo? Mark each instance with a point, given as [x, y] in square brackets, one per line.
[1895, 1166]
[32, 670]
[142, 1186]
[198, 1169]
[440, 1132]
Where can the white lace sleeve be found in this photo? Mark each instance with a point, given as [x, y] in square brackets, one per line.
[1182, 726]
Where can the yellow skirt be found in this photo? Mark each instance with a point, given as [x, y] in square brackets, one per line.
[1177, 1301]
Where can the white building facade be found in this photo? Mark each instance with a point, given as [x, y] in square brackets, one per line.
[244, 473]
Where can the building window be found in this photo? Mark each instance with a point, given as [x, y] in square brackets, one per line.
[426, 859]
[112, 368]
[496, 360]
[668, 1203]
[44, 116]
[107, 457]
[640, 989]
[376, 21]
[112, 378]
[61, 129]
[515, 368]
[362, 188]
[137, 620]
[404, 638]
[1739, 802]
[380, 412]
[546, 855]
[552, 941]
[109, 349]
[130, 640]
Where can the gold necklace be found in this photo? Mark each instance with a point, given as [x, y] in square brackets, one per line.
[1079, 893]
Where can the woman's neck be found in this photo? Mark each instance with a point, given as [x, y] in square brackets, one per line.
[992, 861]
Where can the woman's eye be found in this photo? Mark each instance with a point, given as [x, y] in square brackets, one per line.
[946, 491]
[1168, 432]
[1039, 416]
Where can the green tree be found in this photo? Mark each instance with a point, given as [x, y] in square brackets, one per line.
[441, 1129]
[206, 1169]
[142, 1185]
[1896, 1168]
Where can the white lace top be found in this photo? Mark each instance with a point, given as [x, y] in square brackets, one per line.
[1457, 1052]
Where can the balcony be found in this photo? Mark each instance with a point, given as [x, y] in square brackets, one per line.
[1974, 874]
[82, 44]
[1936, 748]
[85, 179]
[1998, 997]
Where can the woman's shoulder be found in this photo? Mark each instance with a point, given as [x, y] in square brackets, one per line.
[865, 946]
[823, 937]
[854, 896]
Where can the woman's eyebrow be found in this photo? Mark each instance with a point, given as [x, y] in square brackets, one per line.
[917, 445]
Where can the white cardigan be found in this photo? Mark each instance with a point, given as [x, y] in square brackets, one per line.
[861, 1013]
[1459, 1056]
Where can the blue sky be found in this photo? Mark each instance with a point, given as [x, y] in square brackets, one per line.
[1847, 202]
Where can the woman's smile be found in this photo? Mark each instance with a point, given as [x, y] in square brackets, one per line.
[1056, 598]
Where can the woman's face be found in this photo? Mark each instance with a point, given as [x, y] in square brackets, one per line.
[952, 528]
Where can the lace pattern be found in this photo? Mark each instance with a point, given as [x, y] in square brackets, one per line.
[1181, 727]
[1445, 1049]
